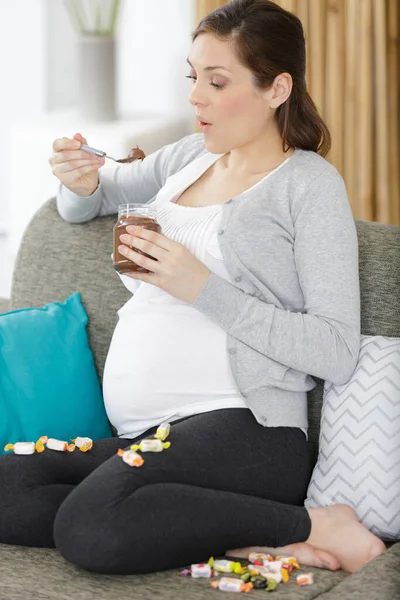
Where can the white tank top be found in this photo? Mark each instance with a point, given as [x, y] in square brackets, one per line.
[167, 360]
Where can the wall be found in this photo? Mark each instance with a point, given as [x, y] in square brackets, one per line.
[22, 68]
[39, 62]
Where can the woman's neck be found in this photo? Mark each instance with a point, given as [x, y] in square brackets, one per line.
[258, 157]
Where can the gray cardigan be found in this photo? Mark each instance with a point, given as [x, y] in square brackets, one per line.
[290, 245]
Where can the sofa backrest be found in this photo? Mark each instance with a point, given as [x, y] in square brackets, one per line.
[57, 258]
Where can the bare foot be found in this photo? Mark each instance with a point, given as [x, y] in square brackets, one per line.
[337, 530]
[303, 552]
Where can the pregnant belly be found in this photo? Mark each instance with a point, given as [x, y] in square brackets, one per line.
[165, 357]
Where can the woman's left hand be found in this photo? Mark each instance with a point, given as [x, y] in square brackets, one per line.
[173, 268]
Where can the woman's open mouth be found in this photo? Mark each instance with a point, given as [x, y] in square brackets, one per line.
[204, 126]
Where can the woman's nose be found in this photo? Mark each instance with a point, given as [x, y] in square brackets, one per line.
[196, 96]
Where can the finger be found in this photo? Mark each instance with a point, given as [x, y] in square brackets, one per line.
[80, 138]
[67, 155]
[153, 236]
[145, 245]
[75, 165]
[78, 172]
[139, 259]
[65, 144]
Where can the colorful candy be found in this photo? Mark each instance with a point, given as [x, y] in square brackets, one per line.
[163, 431]
[264, 572]
[21, 448]
[83, 443]
[40, 444]
[151, 446]
[131, 458]
[255, 570]
[201, 570]
[305, 579]
[225, 566]
[275, 576]
[228, 584]
[259, 557]
[58, 445]
[274, 566]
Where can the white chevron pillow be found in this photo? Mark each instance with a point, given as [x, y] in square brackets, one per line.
[359, 444]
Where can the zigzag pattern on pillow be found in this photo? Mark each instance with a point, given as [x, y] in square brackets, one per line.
[359, 445]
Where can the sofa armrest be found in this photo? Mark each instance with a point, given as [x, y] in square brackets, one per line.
[4, 305]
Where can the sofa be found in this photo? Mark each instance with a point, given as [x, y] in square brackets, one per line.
[57, 258]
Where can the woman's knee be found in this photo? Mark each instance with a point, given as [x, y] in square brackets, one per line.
[121, 538]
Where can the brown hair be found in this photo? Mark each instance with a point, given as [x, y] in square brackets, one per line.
[269, 40]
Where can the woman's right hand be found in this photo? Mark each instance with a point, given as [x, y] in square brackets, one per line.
[76, 169]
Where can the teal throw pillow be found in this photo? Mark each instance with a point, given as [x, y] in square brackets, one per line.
[48, 381]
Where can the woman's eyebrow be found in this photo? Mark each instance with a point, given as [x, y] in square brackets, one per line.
[209, 68]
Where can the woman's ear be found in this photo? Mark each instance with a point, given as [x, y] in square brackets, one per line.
[280, 90]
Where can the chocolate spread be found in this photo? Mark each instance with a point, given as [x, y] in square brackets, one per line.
[134, 154]
[121, 263]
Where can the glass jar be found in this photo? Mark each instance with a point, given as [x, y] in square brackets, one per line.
[142, 215]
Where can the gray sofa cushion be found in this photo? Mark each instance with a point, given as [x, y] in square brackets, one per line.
[69, 258]
[4, 305]
[43, 574]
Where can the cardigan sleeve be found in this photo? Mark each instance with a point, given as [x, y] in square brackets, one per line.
[136, 182]
[324, 340]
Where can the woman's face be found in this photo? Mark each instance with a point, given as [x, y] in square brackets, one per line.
[226, 97]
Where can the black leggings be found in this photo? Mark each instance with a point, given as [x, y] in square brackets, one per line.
[226, 482]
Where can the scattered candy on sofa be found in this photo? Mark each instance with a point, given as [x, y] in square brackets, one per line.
[83, 443]
[266, 575]
[156, 444]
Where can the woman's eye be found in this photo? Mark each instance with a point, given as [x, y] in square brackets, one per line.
[215, 85]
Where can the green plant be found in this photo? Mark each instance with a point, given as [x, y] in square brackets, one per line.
[93, 17]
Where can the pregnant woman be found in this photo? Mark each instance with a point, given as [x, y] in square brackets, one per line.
[252, 290]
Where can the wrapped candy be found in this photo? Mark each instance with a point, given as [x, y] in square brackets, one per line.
[225, 566]
[203, 570]
[275, 576]
[259, 582]
[271, 585]
[83, 443]
[259, 557]
[305, 579]
[131, 458]
[21, 448]
[288, 560]
[59, 445]
[153, 445]
[285, 575]
[274, 566]
[163, 431]
[229, 584]
[40, 444]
